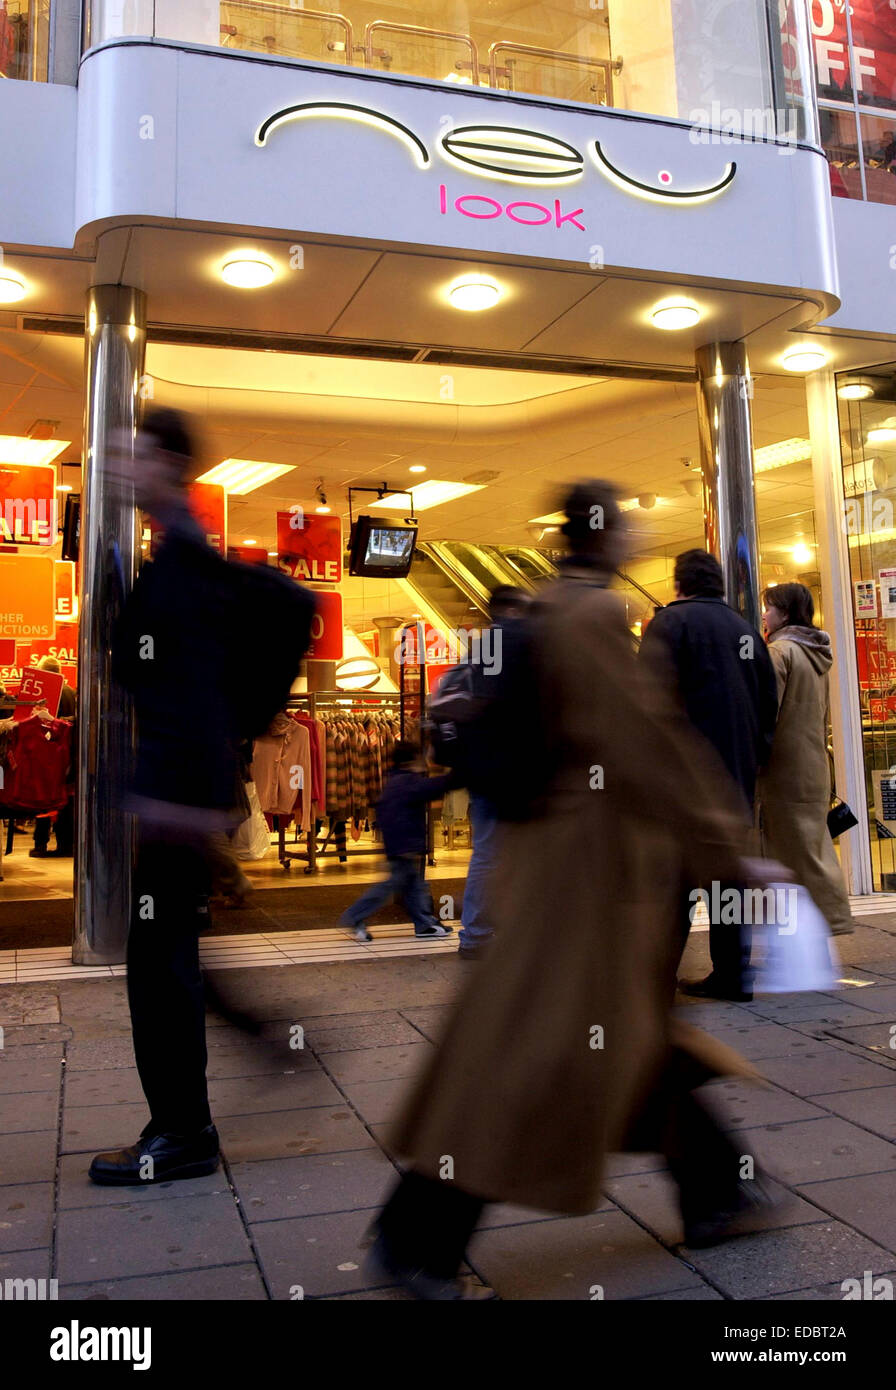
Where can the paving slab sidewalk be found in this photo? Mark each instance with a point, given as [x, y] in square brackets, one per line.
[305, 1166]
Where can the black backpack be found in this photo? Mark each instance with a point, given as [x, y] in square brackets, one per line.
[275, 614]
[490, 727]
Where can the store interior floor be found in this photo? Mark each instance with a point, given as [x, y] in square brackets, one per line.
[37, 909]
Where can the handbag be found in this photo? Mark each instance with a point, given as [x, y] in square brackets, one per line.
[840, 818]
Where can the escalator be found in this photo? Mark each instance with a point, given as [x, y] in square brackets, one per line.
[455, 578]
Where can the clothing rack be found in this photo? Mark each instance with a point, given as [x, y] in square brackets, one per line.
[313, 702]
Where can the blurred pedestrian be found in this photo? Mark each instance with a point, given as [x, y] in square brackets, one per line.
[507, 606]
[561, 1047]
[795, 789]
[401, 817]
[178, 649]
[715, 664]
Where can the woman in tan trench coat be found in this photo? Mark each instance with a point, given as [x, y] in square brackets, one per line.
[563, 1034]
[794, 791]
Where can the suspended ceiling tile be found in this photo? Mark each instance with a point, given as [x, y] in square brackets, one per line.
[404, 299]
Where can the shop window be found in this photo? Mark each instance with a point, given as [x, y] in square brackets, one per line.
[840, 140]
[24, 35]
[744, 69]
[868, 434]
[873, 55]
[879, 153]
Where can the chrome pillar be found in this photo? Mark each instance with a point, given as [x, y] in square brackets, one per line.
[115, 339]
[724, 391]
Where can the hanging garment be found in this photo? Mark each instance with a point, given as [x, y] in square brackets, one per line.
[282, 769]
[318, 761]
[38, 758]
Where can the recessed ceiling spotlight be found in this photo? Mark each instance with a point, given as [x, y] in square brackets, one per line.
[473, 293]
[804, 360]
[858, 388]
[273, 552]
[63, 487]
[675, 314]
[250, 542]
[247, 272]
[801, 554]
[417, 468]
[12, 287]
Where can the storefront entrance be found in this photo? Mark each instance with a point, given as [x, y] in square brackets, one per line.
[486, 415]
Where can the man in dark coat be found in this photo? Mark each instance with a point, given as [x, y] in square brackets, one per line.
[720, 670]
[177, 649]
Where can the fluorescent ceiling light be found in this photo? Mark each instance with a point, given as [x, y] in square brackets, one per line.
[795, 450]
[858, 388]
[675, 314]
[12, 287]
[425, 495]
[474, 292]
[17, 448]
[247, 272]
[804, 360]
[554, 519]
[240, 476]
[801, 553]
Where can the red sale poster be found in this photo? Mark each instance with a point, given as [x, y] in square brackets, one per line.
[874, 49]
[326, 628]
[310, 546]
[28, 503]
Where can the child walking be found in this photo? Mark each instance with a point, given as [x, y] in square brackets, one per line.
[402, 819]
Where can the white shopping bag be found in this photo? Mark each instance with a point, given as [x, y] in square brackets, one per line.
[797, 952]
[252, 839]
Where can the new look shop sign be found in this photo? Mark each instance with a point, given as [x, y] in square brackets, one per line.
[506, 153]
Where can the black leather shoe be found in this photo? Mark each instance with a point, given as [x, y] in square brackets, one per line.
[757, 1205]
[710, 988]
[158, 1158]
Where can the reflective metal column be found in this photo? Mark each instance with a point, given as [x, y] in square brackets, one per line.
[724, 392]
[115, 342]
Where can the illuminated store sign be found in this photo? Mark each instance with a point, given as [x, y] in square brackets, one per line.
[511, 153]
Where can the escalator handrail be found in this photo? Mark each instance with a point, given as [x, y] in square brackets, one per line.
[471, 589]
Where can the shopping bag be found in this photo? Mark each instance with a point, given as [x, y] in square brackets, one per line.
[795, 949]
[252, 839]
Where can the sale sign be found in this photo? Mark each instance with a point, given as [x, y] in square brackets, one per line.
[27, 596]
[66, 593]
[38, 688]
[208, 504]
[326, 628]
[874, 49]
[310, 547]
[64, 646]
[27, 503]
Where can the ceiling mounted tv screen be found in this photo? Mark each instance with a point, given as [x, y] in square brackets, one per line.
[382, 549]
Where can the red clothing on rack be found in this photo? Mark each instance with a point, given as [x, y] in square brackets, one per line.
[37, 765]
[318, 759]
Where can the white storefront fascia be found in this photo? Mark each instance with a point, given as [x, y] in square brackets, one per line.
[866, 256]
[170, 133]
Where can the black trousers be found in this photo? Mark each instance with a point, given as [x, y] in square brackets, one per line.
[165, 990]
[427, 1223]
[730, 947]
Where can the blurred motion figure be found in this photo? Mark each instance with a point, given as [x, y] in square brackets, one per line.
[562, 1047]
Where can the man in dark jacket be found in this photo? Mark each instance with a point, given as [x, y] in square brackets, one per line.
[721, 671]
[177, 649]
[401, 816]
